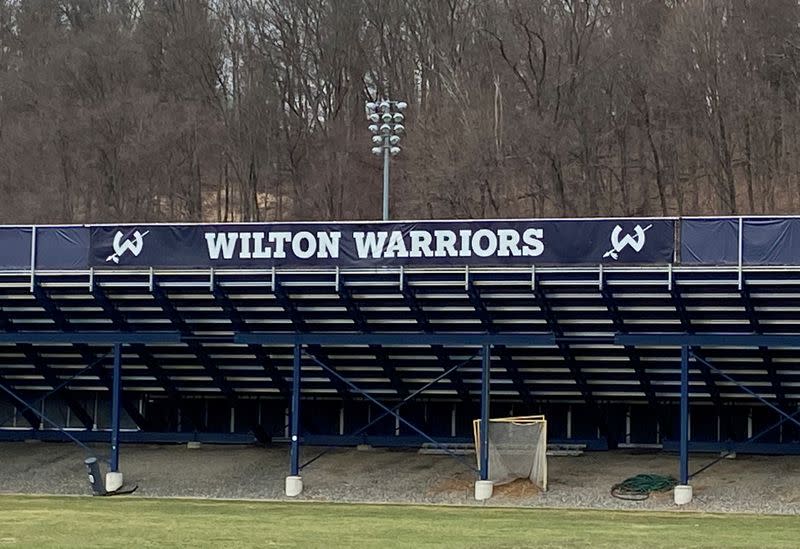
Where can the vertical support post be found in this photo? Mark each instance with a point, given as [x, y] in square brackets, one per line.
[741, 246]
[295, 413]
[386, 179]
[684, 442]
[33, 258]
[115, 406]
[484, 434]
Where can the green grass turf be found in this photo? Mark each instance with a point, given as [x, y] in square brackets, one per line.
[30, 521]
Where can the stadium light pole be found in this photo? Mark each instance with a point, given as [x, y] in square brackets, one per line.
[386, 124]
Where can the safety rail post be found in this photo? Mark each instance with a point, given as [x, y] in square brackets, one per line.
[484, 433]
[740, 253]
[684, 426]
[115, 405]
[295, 419]
[33, 259]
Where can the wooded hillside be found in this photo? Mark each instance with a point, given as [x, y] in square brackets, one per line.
[223, 110]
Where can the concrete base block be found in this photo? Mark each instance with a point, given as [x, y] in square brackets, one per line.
[194, 445]
[294, 486]
[364, 448]
[683, 494]
[113, 481]
[483, 489]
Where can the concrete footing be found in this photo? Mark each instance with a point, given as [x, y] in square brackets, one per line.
[483, 489]
[193, 445]
[113, 481]
[294, 486]
[683, 494]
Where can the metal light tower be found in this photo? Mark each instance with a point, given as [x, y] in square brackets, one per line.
[386, 124]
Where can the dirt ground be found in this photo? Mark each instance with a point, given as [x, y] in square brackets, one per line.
[763, 484]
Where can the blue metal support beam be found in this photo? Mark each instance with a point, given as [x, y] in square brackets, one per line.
[740, 446]
[195, 347]
[396, 407]
[363, 326]
[485, 395]
[746, 389]
[50, 377]
[686, 326]
[755, 325]
[633, 356]
[59, 387]
[574, 368]
[711, 385]
[295, 414]
[115, 408]
[684, 416]
[458, 339]
[772, 372]
[74, 337]
[357, 390]
[8, 391]
[90, 338]
[20, 405]
[121, 323]
[241, 326]
[501, 351]
[680, 308]
[299, 324]
[678, 339]
[7, 325]
[410, 300]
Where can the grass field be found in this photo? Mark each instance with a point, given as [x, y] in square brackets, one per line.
[29, 521]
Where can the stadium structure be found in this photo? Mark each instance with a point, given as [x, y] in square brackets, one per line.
[679, 332]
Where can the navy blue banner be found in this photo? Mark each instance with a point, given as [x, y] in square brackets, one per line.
[765, 241]
[771, 241]
[15, 248]
[429, 243]
[712, 241]
[64, 248]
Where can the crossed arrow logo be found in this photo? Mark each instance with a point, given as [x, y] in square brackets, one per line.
[635, 241]
[133, 245]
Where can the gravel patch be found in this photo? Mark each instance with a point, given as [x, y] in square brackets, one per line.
[750, 484]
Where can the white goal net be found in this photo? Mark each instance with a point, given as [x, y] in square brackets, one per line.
[517, 449]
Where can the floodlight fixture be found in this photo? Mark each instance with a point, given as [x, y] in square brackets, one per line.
[386, 119]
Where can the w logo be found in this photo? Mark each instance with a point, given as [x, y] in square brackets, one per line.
[635, 241]
[133, 245]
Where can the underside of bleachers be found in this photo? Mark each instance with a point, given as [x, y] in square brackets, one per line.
[589, 386]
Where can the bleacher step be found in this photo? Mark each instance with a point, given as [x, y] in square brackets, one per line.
[465, 448]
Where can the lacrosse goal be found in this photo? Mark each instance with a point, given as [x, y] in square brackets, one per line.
[517, 449]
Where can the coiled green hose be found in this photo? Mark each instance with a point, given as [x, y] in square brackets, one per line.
[640, 487]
